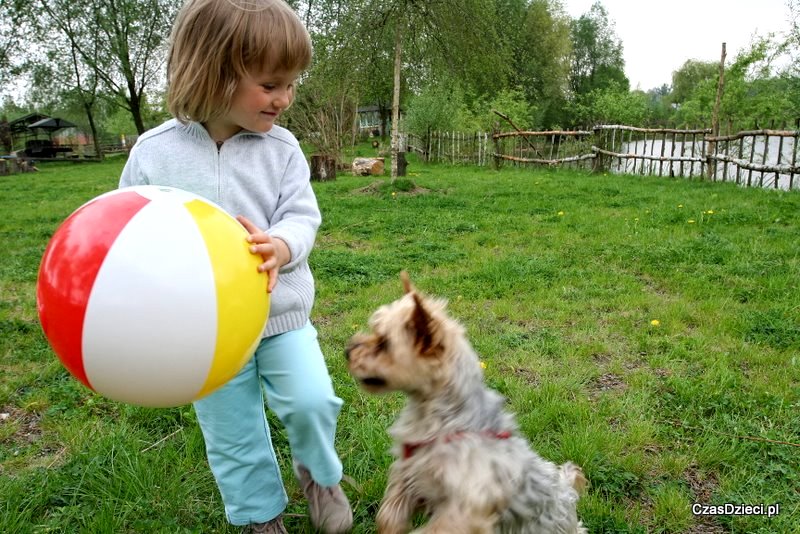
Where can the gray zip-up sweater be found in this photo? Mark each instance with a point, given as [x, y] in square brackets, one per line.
[264, 177]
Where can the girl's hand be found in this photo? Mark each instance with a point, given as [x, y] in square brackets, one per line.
[273, 251]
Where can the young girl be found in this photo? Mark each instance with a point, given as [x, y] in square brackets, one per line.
[231, 71]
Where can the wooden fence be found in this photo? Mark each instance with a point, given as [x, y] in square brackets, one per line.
[451, 147]
[754, 158]
[644, 151]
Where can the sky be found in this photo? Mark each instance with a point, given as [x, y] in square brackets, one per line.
[659, 36]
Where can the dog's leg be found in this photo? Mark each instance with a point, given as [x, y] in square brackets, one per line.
[397, 507]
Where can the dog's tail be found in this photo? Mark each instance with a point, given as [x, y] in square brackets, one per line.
[572, 475]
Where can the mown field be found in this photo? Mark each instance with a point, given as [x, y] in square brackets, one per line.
[646, 328]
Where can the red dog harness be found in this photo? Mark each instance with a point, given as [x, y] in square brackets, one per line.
[410, 448]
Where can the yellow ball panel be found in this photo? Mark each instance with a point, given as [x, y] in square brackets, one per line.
[242, 298]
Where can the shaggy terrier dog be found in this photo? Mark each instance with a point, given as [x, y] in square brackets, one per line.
[460, 458]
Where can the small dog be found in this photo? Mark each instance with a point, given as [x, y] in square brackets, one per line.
[459, 456]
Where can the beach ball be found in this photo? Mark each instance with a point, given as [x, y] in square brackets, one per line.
[149, 296]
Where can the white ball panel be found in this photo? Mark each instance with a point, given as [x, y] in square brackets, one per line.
[152, 308]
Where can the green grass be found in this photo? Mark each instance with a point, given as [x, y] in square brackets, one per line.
[557, 275]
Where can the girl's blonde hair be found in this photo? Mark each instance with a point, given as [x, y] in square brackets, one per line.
[216, 43]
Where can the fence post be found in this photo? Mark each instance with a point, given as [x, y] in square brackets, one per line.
[794, 153]
[601, 160]
[498, 162]
[427, 155]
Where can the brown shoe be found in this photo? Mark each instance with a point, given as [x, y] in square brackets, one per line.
[328, 506]
[270, 527]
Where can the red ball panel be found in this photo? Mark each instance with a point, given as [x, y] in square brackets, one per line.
[69, 268]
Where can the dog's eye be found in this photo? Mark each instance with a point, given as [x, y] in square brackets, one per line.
[382, 344]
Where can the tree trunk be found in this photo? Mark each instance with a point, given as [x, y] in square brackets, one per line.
[398, 53]
[367, 167]
[323, 168]
[385, 113]
[93, 127]
[401, 164]
[135, 103]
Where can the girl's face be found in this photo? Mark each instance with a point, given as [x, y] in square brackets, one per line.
[258, 101]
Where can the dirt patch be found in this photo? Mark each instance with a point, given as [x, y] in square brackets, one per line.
[27, 425]
[527, 376]
[706, 525]
[375, 188]
[601, 358]
[370, 189]
[662, 373]
[605, 383]
[21, 433]
[703, 486]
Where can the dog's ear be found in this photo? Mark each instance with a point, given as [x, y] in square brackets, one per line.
[407, 287]
[423, 327]
[421, 322]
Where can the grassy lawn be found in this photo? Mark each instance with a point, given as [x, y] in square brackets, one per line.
[646, 328]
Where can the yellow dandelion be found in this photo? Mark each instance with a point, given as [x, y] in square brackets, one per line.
[355, 327]
[690, 221]
[560, 213]
[680, 205]
[394, 193]
[483, 365]
[655, 322]
[636, 218]
[710, 212]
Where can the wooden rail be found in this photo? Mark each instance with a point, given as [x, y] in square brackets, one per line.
[629, 155]
[545, 161]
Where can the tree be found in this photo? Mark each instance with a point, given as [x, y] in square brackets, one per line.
[793, 38]
[542, 65]
[791, 74]
[597, 60]
[66, 76]
[689, 76]
[122, 42]
[659, 104]
[511, 103]
[611, 105]
[324, 113]
[12, 32]
[753, 94]
[425, 34]
[437, 107]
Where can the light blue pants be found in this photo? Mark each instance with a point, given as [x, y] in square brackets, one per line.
[298, 388]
